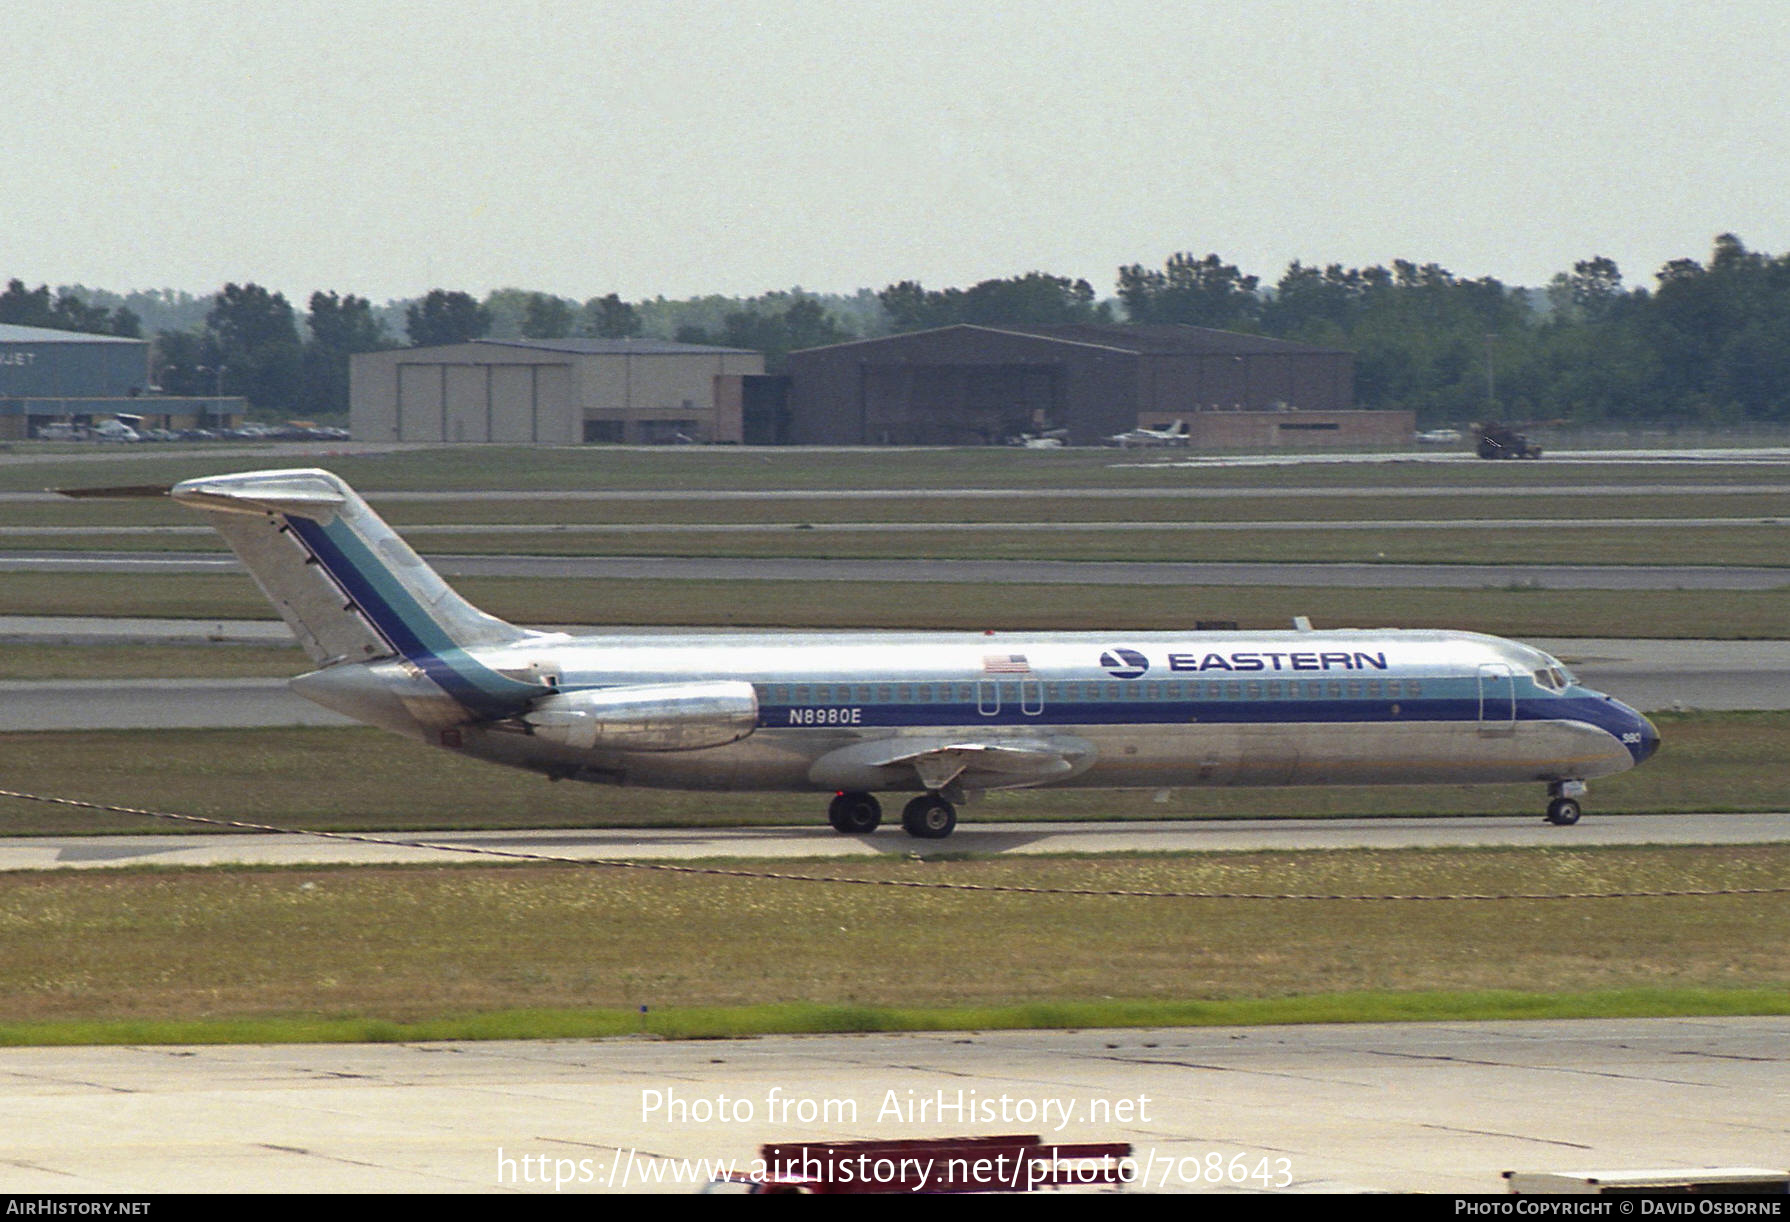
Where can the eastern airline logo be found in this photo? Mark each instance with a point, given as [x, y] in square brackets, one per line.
[1124, 663]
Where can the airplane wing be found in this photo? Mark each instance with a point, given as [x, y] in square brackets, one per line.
[991, 763]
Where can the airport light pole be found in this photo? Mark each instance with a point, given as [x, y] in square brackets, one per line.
[1491, 377]
[217, 388]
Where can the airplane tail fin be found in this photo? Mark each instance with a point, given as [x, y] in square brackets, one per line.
[350, 589]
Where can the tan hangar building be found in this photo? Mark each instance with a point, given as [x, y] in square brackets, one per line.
[552, 392]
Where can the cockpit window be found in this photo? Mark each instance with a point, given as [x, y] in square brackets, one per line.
[1550, 673]
[1554, 678]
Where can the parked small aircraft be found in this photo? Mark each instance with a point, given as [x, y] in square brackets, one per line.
[861, 713]
[1143, 438]
[115, 430]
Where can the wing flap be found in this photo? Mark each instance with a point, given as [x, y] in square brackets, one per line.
[991, 763]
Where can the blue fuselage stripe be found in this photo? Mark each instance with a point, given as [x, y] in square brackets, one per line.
[1169, 712]
[1619, 721]
[405, 624]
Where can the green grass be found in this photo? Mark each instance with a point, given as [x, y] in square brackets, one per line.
[732, 1022]
[1748, 544]
[1268, 504]
[406, 945]
[1710, 762]
[596, 467]
[51, 662]
[808, 528]
[1517, 610]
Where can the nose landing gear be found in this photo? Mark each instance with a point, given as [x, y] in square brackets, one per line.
[1563, 810]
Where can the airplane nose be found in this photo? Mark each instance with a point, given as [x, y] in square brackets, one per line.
[1649, 740]
[1637, 733]
[1630, 727]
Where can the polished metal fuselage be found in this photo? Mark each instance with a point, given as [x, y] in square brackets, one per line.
[1127, 710]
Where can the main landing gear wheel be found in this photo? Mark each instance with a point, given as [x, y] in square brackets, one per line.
[929, 817]
[1563, 812]
[855, 814]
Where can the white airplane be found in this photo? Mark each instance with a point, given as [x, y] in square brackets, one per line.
[115, 430]
[943, 715]
[1143, 438]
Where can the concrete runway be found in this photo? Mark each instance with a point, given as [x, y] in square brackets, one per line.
[991, 572]
[1185, 492]
[1421, 1107]
[107, 630]
[156, 704]
[1710, 456]
[1651, 675]
[1259, 526]
[819, 841]
[1656, 675]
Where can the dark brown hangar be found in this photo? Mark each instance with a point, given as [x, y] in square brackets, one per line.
[970, 385]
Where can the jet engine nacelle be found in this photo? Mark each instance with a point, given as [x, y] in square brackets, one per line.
[653, 717]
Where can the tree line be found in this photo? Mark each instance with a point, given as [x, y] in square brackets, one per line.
[1709, 343]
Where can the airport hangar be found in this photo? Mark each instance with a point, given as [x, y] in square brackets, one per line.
[969, 385]
[958, 385]
[71, 377]
[553, 392]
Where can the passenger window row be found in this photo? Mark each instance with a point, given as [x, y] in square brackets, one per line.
[1092, 692]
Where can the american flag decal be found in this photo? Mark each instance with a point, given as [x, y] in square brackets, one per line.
[1005, 664]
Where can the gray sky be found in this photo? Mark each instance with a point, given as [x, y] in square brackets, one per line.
[657, 148]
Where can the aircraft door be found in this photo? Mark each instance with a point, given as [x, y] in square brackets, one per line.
[1027, 695]
[1497, 699]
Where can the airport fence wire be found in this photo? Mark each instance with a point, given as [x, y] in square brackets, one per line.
[486, 851]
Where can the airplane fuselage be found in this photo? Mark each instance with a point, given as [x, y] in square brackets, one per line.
[1128, 710]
